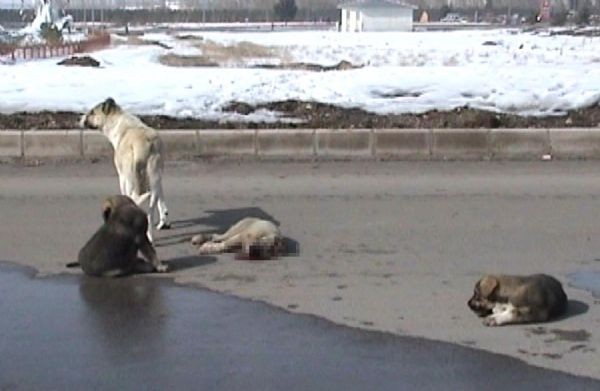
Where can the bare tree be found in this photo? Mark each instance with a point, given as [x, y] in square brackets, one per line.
[286, 9]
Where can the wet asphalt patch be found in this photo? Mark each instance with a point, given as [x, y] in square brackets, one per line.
[142, 332]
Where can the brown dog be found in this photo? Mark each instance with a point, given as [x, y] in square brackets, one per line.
[504, 299]
[112, 250]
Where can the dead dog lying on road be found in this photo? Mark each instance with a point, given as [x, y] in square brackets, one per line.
[504, 299]
[255, 239]
[112, 250]
[138, 156]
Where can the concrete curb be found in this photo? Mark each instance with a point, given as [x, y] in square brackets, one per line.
[393, 144]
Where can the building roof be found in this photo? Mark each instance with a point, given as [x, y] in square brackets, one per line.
[362, 4]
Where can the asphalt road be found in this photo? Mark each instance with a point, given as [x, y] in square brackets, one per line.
[141, 334]
[393, 247]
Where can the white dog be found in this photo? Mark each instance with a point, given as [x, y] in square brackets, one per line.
[138, 157]
[255, 238]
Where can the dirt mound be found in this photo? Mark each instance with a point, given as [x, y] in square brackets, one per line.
[319, 115]
[82, 61]
[189, 37]
[316, 115]
[40, 120]
[579, 32]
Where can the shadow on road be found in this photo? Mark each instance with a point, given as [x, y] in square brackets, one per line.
[219, 221]
[575, 308]
[188, 262]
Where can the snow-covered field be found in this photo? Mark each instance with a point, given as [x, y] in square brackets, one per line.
[515, 72]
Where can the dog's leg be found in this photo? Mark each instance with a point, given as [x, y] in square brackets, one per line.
[502, 314]
[139, 200]
[129, 189]
[163, 212]
[197, 240]
[121, 174]
[122, 184]
[149, 231]
[150, 254]
[152, 208]
[157, 202]
[219, 247]
[528, 314]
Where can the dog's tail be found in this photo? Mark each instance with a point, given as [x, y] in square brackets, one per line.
[73, 264]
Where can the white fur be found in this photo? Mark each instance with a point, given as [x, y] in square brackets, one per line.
[124, 131]
[244, 233]
[501, 314]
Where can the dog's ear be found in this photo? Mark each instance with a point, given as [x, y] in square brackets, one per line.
[106, 209]
[108, 106]
[487, 286]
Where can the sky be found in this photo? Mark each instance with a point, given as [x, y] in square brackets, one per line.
[9, 3]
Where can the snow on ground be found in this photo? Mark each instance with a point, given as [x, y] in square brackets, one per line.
[515, 72]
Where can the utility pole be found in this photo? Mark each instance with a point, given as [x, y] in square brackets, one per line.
[84, 9]
[93, 16]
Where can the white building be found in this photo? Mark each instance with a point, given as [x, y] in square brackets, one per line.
[375, 15]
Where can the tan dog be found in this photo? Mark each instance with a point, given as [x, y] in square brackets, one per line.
[138, 156]
[112, 250]
[254, 237]
[504, 299]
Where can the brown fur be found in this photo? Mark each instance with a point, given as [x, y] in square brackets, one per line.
[112, 250]
[534, 298]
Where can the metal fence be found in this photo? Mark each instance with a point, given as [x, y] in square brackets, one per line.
[34, 52]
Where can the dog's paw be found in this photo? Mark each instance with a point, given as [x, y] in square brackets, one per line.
[162, 268]
[500, 308]
[490, 321]
[163, 225]
[198, 240]
[210, 248]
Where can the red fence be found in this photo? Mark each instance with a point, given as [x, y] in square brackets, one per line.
[33, 52]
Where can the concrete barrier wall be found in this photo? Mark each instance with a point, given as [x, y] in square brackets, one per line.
[396, 144]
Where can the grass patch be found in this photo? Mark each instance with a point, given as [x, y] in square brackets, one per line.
[215, 54]
[177, 60]
[236, 52]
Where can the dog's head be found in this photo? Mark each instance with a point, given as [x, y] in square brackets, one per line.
[111, 203]
[483, 300]
[97, 116]
[263, 248]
